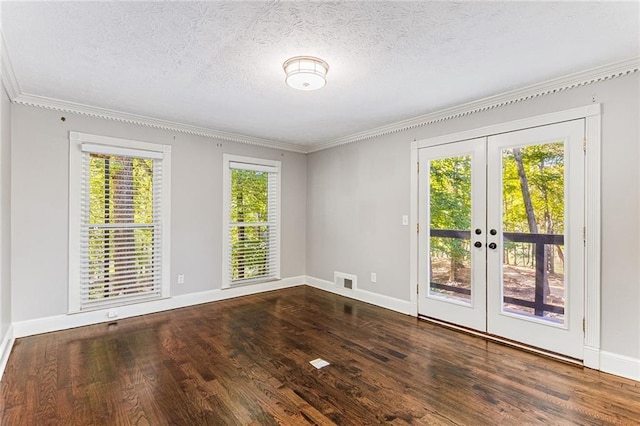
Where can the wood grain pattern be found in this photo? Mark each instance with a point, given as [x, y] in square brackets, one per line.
[246, 361]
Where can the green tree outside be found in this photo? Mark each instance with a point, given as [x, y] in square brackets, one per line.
[250, 235]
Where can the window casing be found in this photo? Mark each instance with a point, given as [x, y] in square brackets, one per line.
[119, 222]
[251, 220]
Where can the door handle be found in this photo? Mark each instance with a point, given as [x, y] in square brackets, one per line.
[477, 244]
[493, 246]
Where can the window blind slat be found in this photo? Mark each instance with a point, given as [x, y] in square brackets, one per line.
[142, 280]
[116, 241]
[97, 246]
[96, 275]
[120, 226]
[104, 263]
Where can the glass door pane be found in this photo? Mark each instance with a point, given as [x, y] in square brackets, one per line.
[451, 238]
[535, 247]
[533, 279]
[450, 224]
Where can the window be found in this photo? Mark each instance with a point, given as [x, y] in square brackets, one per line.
[119, 227]
[251, 221]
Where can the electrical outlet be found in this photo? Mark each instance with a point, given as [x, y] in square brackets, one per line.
[180, 278]
[374, 277]
[112, 314]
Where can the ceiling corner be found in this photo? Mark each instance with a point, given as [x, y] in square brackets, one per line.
[8, 76]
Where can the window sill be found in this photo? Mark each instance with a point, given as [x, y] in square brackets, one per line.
[251, 282]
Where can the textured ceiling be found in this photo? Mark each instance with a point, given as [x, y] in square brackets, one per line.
[219, 64]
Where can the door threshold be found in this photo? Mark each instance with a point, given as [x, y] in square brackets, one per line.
[506, 342]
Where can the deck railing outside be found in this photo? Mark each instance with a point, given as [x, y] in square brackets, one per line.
[539, 241]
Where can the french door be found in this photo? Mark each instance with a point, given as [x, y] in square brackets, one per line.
[501, 246]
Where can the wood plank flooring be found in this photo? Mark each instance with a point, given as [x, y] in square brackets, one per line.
[246, 361]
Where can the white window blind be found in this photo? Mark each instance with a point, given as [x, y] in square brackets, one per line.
[120, 226]
[252, 230]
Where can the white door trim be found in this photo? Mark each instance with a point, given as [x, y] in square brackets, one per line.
[592, 115]
[511, 126]
[592, 223]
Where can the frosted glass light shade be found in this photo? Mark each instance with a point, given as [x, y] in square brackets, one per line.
[306, 72]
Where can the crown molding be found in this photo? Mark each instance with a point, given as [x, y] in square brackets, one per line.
[8, 76]
[141, 120]
[15, 95]
[571, 81]
[548, 87]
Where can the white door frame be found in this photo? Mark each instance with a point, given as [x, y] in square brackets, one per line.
[592, 116]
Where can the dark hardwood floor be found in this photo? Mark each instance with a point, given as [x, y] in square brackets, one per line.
[246, 361]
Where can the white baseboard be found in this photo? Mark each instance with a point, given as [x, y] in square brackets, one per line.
[398, 305]
[5, 348]
[66, 321]
[620, 365]
[591, 358]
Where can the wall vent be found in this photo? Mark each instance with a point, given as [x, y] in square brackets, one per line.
[347, 281]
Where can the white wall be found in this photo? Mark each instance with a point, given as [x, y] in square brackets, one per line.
[5, 213]
[357, 193]
[39, 206]
[356, 196]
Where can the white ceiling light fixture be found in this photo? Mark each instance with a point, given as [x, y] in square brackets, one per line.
[305, 72]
